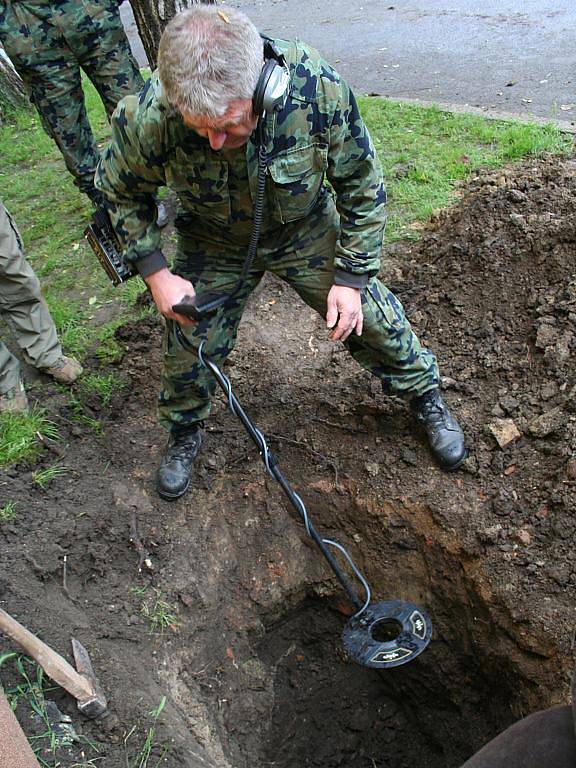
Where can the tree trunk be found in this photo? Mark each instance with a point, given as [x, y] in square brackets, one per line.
[151, 18]
[11, 87]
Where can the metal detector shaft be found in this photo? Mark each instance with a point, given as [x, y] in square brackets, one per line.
[272, 465]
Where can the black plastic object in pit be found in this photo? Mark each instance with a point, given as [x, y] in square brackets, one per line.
[379, 635]
[387, 634]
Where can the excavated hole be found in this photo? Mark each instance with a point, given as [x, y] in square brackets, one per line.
[311, 706]
[329, 712]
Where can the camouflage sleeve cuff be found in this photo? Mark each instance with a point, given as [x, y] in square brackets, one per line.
[152, 262]
[348, 280]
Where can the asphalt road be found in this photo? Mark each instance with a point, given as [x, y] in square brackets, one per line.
[510, 56]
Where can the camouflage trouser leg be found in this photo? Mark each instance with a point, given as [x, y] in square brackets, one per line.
[187, 386]
[112, 69]
[23, 309]
[48, 48]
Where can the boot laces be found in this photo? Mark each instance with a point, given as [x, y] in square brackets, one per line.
[433, 411]
[183, 446]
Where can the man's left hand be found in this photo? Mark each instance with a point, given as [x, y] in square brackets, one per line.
[344, 313]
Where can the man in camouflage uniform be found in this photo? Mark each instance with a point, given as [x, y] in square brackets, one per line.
[193, 129]
[25, 312]
[49, 42]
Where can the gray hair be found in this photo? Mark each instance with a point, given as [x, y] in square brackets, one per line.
[209, 57]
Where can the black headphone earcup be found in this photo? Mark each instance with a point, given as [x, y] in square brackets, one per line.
[260, 90]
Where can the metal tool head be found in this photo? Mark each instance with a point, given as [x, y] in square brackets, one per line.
[94, 704]
[387, 634]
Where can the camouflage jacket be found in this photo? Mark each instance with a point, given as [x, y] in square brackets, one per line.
[318, 134]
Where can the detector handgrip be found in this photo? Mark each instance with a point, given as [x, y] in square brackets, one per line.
[202, 305]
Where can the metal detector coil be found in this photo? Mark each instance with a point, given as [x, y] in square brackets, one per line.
[387, 634]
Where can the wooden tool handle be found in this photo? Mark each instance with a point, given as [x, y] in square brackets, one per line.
[56, 667]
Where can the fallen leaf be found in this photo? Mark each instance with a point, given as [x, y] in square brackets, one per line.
[92, 300]
[509, 470]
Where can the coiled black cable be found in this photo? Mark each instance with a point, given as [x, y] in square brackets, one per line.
[271, 465]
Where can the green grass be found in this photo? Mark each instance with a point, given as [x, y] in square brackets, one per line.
[8, 512]
[426, 154]
[43, 477]
[150, 754]
[21, 435]
[81, 415]
[159, 613]
[103, 385]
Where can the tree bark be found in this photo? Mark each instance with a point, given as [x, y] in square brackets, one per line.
[11, 87]
[151, 18]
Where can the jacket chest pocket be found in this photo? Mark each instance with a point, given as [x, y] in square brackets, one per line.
[297, 177]
[201, 182]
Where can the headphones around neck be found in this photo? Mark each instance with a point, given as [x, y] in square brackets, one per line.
[272, 86]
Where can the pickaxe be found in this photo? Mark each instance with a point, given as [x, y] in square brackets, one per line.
[80, 682]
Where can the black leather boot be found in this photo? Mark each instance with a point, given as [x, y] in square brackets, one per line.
[444, 433]
[175, 468]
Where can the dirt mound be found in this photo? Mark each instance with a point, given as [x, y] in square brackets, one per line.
[246, 644]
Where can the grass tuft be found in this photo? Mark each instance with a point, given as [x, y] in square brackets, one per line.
[159, 613]
[21, 435]
[103, 385]
[8, 512]
[144, 757]
[43, 477]
[82, 416]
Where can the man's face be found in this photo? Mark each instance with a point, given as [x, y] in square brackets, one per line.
[230, 131]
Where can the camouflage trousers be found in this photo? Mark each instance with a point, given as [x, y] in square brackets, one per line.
[49, 43]
[303, 256]
[23, 309]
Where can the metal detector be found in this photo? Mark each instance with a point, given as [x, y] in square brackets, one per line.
[380, 635]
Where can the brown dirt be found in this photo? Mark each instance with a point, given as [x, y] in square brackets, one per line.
[253, 669]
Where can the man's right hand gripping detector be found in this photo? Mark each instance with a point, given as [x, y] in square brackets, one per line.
[200, 306]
